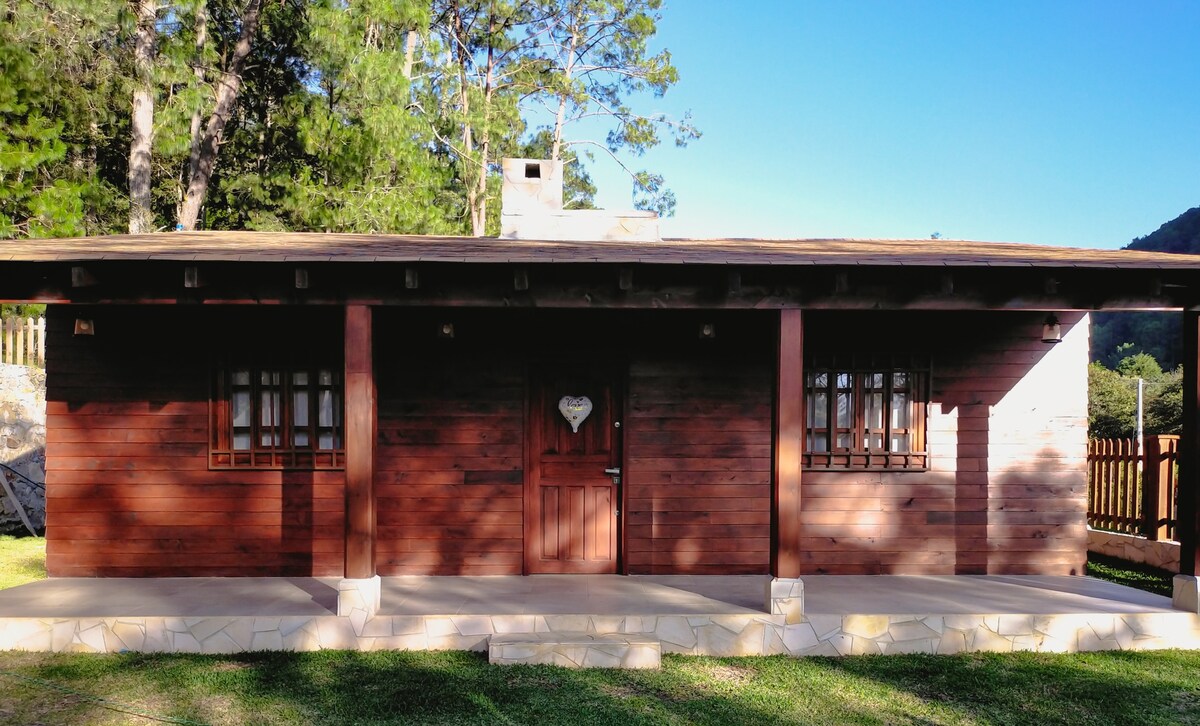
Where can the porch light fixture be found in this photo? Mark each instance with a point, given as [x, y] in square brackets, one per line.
[1051, 330]
[708, 331]
[84, 326]
[446, 330]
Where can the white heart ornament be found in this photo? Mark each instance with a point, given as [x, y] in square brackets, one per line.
[575, 409]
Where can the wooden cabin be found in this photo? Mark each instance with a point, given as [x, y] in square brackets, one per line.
[284, 404]
[271, 404]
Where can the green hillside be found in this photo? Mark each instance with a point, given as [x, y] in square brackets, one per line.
[1180, 235]
[1116, 335]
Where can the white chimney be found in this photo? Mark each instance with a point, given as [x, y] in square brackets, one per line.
[531, 208]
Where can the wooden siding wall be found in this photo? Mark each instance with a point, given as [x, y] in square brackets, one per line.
[449, 469]
[1006, 492]
[451, 437]
[129, 492]
[698, 450]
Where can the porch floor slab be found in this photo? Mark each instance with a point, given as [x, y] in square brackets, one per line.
[968, 594]
[104, 597]
[700, 615]
[575, 594]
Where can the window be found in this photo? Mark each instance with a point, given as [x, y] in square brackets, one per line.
[277, 418]
[866, 412]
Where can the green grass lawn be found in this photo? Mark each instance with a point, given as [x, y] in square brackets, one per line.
[460, 688]
[335, 687]
[1130, 574]
[22, 560]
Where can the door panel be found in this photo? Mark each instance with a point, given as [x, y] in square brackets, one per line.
[571, 503]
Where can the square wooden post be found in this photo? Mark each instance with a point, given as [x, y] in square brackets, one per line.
[789, 443]
[360, 444]
[1189, 448]
[1186, 593]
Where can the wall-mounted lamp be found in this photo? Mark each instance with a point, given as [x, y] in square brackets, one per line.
[1051, 330]
[446, 330]
[84, 326]
[708, 331]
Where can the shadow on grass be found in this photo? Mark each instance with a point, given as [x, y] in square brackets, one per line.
[338, 687]
[1130, 574]
[1023, 688]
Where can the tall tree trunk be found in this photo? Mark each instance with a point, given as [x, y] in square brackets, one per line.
[473, 184]
[410, 47]
[141, 218]
[568, 70]
[479, 213]
[198, 71]
[227, 93]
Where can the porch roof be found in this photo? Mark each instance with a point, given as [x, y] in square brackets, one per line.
[210, 246]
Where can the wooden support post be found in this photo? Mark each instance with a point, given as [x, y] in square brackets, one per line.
[789, 442]
[1189, 449]
[360, 444]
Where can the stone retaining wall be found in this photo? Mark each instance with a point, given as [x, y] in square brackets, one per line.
[23, 446]
[1162, 554]
[720, 635]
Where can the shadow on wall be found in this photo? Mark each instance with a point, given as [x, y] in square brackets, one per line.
[1005, 492]
[130, 490]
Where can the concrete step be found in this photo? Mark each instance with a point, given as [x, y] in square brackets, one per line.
[576, 649]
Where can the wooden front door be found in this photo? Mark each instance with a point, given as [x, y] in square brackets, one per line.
[571, 501]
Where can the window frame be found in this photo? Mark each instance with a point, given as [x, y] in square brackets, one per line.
[286, 455]
[860, 455]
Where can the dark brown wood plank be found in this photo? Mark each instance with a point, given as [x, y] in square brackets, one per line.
[789, 438]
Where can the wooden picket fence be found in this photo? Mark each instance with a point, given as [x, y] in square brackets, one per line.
[23, 341]
[1134, 492]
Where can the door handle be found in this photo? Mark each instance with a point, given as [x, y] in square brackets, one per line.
[613, 471]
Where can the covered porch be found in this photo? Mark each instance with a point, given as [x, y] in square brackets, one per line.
[733, 432]
[701, 615]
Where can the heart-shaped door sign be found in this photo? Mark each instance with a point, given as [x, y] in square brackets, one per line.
[575, 409]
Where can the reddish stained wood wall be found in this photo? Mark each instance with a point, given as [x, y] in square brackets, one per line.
[449, 469]
[1006, 492]
[129, 492]
[451, 437]
[698, 451]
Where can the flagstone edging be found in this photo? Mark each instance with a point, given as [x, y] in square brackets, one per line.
[721, 635]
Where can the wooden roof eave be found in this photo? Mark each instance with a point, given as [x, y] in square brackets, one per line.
[591, 284]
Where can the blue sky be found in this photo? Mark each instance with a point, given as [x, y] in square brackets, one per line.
[1067, 123]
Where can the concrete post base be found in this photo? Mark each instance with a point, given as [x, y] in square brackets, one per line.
[785, 596]
[1184, 593]
[359, 596]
